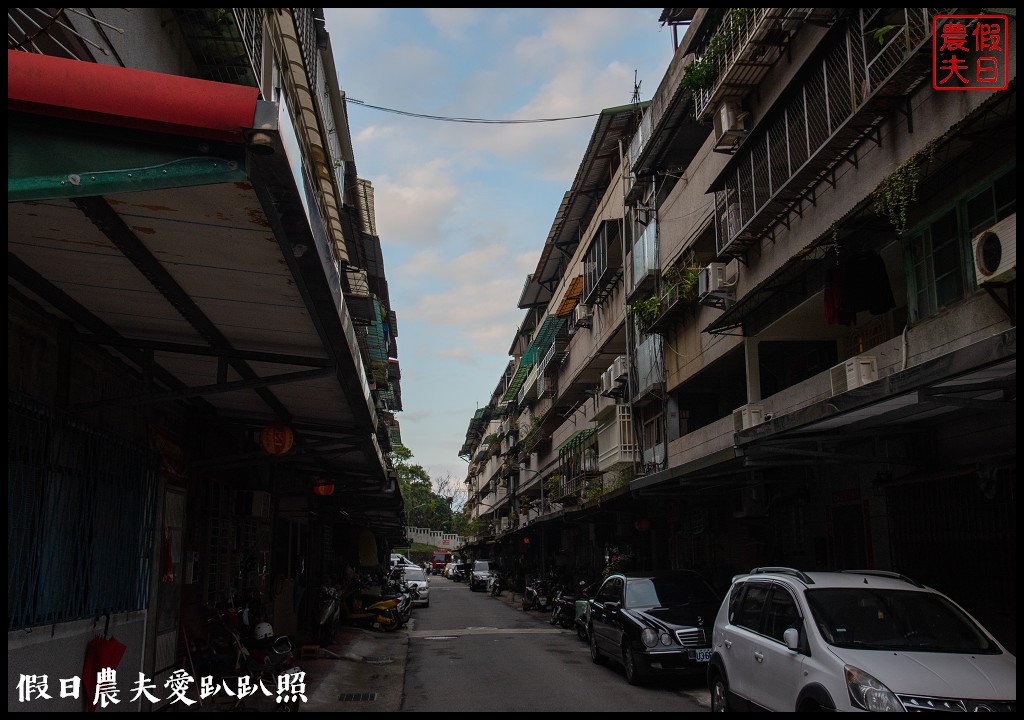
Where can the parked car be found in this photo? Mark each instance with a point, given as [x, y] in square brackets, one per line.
[415, 577]
[449, 570]
[479, 574]
[787, 640]
[653, 623]
[461, 572]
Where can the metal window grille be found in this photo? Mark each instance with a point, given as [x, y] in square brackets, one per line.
[80, 514]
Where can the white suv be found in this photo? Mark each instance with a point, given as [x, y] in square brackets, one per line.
[785, 640]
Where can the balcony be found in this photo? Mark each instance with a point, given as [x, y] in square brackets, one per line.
[616, 447]
[645, 264]
[746, 46]
[678, 303]
[843, 98]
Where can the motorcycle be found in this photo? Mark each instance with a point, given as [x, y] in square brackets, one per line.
[368, 610]
[406, 592]
[563, 610]
[262, 659]
[536, 595]
[494, 584]
[582, 617]
[330, 614]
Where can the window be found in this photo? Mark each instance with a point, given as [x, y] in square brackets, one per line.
[780, 613]
[941, 267]
[611, 591]
[748, 613]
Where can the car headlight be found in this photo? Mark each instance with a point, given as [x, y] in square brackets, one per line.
[666, 639]
[868, 693]
[649, 637]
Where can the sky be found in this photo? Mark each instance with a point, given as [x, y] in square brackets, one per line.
[463, 208]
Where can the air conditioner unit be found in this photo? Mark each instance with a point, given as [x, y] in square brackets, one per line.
[609, 387]
[732, 273]
[748, 416]
[729, 120]
[582, 316]
[620, 370]
[995, 252]
[853, 373]
[711, 279]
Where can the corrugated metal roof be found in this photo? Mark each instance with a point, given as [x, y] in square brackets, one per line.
[576, 439]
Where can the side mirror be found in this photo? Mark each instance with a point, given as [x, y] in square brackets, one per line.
[791, 636]
[612, 606]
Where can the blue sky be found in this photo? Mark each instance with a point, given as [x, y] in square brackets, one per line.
[463, 209]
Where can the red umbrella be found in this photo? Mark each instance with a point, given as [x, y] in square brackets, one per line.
[99, 653]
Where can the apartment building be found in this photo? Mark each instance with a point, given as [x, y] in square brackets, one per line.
[774, 322]
[203, 376]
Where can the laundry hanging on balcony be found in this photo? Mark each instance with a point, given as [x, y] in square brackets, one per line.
[859, 283]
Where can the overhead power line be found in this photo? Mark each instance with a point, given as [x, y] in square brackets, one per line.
[468, 120]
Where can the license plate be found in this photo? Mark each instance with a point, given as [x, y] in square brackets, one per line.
[542, 600]
[702, 654]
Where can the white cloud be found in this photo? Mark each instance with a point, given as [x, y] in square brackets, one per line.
[463, 209]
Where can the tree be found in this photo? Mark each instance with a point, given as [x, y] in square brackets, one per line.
[425, 506]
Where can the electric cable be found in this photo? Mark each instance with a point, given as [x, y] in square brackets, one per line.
[466, 119]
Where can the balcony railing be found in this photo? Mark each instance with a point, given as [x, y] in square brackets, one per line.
[748, 42]
[846, 94]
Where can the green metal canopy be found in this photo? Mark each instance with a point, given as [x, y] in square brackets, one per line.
[540, 344]
[576, 439]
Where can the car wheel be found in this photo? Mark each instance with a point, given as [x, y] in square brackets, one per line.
[635, 674]
[719, 694]
[426, 604]
[595, 654]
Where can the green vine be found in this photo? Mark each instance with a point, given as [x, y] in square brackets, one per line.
[893, 196]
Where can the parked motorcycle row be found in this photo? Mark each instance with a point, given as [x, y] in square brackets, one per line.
[350, 604]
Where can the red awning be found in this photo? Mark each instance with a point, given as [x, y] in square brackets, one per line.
[110, 95]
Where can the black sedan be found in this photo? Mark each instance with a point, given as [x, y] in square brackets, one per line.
[653, 623]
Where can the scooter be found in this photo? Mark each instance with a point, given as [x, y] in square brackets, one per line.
[536, 595]
[494, 585]
[378, 611]
[582, 618]
[563, 609]
[405, 592]
[330, 614]
[261, 659]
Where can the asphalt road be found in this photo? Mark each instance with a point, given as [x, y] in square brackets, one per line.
[469, 651]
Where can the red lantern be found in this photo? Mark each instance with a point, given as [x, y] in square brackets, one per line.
[277, 439]
[323, 487]
[642, 524]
